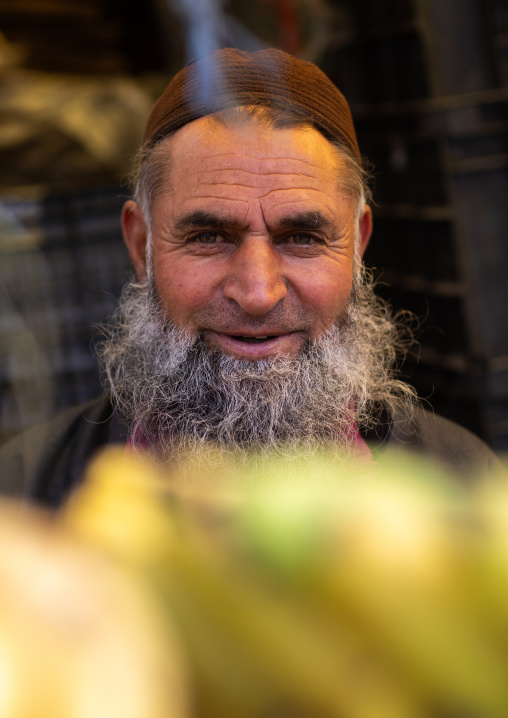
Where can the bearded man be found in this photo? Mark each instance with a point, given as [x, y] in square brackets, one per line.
[252, 324]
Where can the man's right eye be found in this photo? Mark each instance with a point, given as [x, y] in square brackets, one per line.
[205, 238]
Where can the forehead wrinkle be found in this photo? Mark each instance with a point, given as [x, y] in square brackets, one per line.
[260, 162]
[254, 156]
[239, 170]
[288, 185]
[217, 198]
[277, 190]
[288, 196]
[211, 183]
[238, 175]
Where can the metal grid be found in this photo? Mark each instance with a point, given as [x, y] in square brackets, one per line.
[63, 265]
[428, 84]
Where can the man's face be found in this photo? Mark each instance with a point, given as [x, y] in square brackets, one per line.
[252, 238]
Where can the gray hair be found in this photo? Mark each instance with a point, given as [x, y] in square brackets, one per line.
[175, 391]
[152, 162]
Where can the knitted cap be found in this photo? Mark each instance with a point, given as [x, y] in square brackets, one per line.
[270, 78]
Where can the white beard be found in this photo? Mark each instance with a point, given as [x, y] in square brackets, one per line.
[177, 393]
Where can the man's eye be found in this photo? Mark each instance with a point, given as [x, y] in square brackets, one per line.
[206, 238]
[302, 238]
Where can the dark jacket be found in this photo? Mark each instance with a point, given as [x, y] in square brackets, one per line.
[45, 463]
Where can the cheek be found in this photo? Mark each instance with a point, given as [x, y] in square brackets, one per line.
[328, 289]
[326, 294]
[182, 290]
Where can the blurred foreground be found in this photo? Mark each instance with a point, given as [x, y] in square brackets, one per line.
[278, 589]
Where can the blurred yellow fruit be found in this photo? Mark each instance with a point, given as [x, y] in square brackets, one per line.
[78, 637]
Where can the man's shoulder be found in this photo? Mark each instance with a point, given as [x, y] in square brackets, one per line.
[44, 462]
[447, 443]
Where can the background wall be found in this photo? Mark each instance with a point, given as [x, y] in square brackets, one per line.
[427, 82]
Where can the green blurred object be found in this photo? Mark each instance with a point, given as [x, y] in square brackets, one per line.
[303, 587]
[293, 587]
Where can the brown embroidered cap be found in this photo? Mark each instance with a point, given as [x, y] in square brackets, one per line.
[271, 78]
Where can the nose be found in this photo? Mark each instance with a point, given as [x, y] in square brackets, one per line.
[255, 280]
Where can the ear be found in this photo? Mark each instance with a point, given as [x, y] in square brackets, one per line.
[135, 234]
[365, 229]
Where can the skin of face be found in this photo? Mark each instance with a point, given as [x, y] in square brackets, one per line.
[251, 237]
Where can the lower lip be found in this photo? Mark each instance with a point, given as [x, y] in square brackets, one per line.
[282, 344]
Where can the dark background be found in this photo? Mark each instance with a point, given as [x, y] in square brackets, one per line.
[427, 83]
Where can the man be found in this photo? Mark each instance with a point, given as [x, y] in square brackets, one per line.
[252, 324]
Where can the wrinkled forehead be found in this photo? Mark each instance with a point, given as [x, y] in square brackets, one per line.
[250, 175]
[206, 145]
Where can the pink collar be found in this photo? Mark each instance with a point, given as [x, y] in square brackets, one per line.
[138, 440]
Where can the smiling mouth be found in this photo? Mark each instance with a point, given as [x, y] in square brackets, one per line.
[253, 340]
[257, 346]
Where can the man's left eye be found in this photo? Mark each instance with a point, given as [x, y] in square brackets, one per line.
[302, 238]
[206, 238]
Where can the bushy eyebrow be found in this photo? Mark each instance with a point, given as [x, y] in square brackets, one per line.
[203, 220]
[305, 221]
